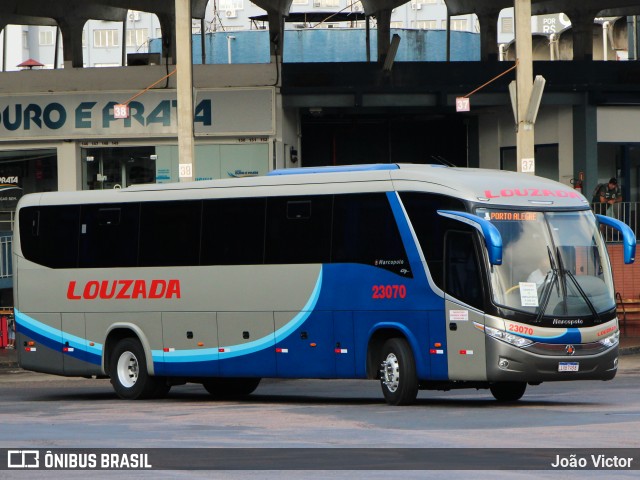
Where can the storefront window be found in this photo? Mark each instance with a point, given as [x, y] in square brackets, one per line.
[22, 172]
[106, 168]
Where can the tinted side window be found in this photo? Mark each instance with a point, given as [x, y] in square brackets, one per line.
[430, 227]
[49, 235]
[109, 235]
[233, 231]
[462, 270]
[170, 233]
[365, 231]
[299, 229]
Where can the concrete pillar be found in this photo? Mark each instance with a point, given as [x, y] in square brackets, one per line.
[71, 28]
[585, 143]
[184, 87]
[525, 145]
[582, 30]
[168, 27]
[384, 33]
[276, 35]
[69, 167]
[488, 36]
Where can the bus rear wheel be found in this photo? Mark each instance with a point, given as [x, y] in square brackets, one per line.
[398, 373]
[224, 388]
[128, 371]
[508, 391]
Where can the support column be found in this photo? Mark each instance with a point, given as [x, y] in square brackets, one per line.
[71, 28]
[184, 87]
[585, 143]
[69, 167]
[525, 146]
[383, 18]
[168, 27]
[582, 29]
[488, 36]
[276, 35]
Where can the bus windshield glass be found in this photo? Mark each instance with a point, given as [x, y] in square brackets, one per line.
[554, 264]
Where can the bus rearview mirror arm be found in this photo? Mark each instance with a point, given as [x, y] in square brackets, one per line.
[491, 235]
[628, 237]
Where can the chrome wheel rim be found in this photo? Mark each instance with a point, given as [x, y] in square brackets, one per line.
[127, 369]
[391, 372]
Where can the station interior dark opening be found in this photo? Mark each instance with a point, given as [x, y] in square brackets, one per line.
[333, 138]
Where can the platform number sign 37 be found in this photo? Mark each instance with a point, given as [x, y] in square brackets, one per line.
[462, 104]
[528, 165]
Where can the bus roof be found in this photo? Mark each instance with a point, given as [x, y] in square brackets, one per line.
[496, 188]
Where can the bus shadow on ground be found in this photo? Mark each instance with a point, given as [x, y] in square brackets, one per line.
[183, 394]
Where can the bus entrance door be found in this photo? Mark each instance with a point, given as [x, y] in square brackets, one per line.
[465, 343]
[463, 285]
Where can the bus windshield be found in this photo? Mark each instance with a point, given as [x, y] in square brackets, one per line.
[554, 264]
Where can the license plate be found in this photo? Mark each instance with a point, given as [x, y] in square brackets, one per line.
[568, 366]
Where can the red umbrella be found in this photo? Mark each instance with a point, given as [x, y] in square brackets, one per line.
[30, 63]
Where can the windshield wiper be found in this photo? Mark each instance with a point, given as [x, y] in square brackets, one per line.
[563, 281]
[546, 293]
[567, 273]
[583, 294]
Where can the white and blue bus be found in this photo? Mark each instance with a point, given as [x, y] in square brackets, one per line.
[421, 276]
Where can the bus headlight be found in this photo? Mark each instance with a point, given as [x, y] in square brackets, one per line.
[610, 341]
[507, 337]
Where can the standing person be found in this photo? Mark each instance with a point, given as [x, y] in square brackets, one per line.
[611, 194]
[11, 327]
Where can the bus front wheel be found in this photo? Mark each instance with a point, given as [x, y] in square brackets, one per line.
[508, 391]
[398, 373]
[128, 372]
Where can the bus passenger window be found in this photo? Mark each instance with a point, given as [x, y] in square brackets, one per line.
[49, 235]
[298, 229]
[109, 235]
[233, 231]
[365, 231]
[170, 233]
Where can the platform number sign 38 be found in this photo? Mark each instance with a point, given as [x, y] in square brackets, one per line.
[121, 110]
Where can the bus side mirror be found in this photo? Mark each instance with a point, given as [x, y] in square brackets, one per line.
[491, 235]
[628, 237]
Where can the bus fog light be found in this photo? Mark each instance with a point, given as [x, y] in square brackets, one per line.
[503, 363]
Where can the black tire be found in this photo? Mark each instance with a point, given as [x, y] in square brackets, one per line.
[224, 388]
[129, 375]
[398, 377]
[508, 391]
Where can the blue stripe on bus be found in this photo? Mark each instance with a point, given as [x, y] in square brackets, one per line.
[45, 336]
[336, 169]
[25, 323]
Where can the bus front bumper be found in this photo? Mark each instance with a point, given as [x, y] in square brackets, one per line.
[508, 363]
